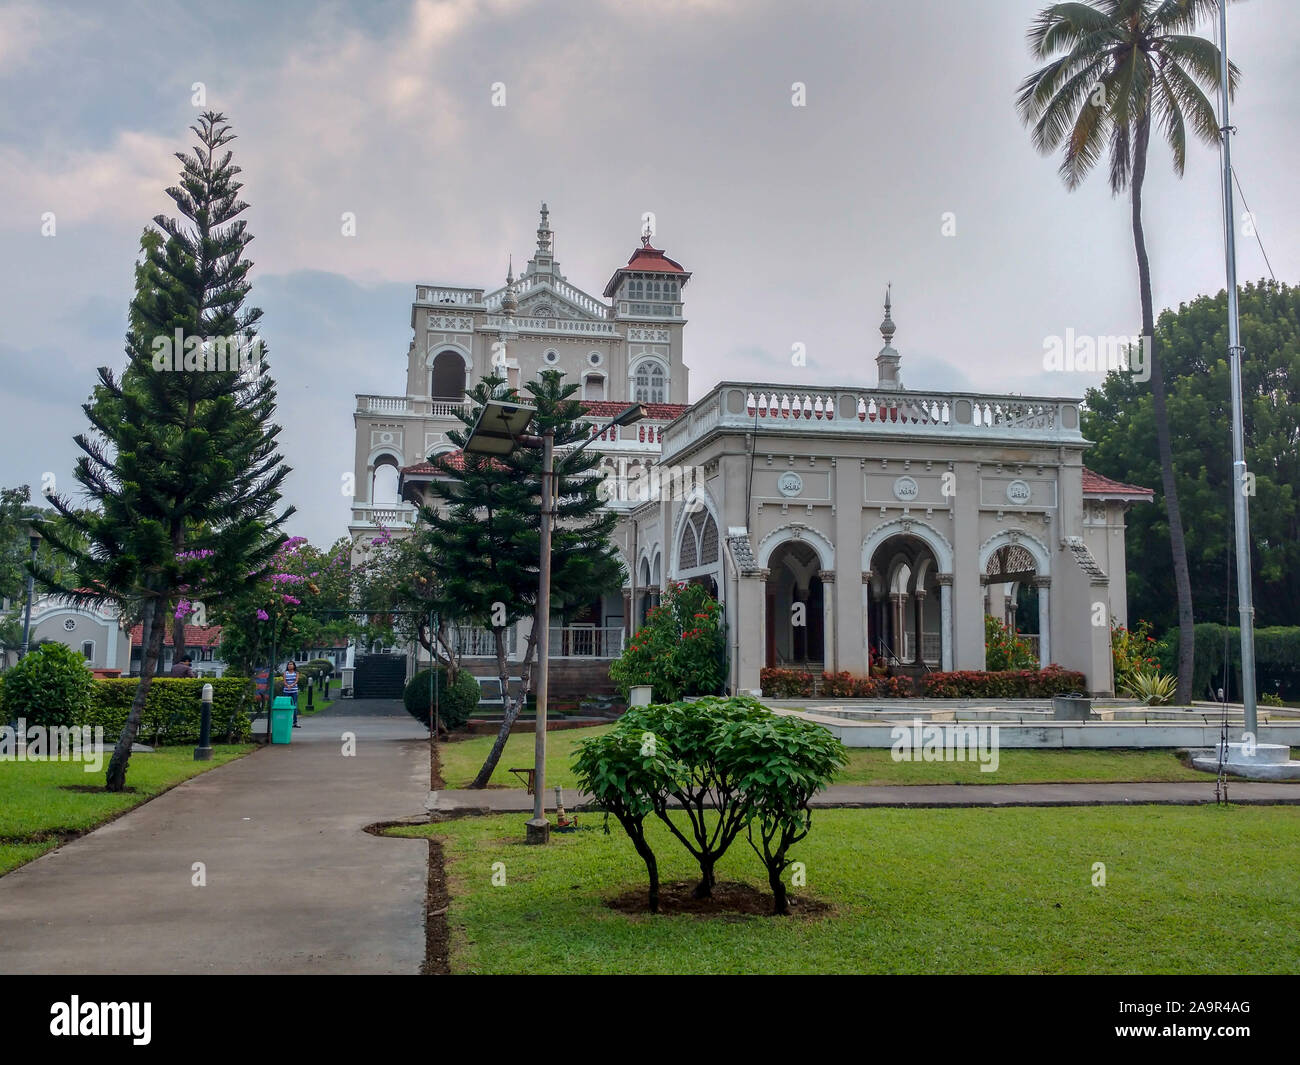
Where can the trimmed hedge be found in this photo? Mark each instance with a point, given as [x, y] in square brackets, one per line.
[963, 684]
[1003, 684]
[798, 684]
[1277, 659]
[172, 708]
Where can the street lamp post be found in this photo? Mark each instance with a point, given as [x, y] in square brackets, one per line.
[34, 537]
[498, 431]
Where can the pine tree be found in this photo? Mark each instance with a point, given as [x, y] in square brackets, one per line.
[181, 466]
[483, 549]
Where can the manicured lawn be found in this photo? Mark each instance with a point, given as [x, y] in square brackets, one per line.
[36, 808]
[461, 760]
[1188, 890]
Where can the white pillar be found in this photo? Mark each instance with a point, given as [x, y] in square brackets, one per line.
[945, 619]
[829, 657]
[1044, 584]
[866, 619]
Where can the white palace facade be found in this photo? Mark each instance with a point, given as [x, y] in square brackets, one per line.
[898, 519]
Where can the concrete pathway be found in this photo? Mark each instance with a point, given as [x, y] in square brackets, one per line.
[463, 802]
[293, 883]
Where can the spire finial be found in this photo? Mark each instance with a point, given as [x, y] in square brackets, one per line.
[647, 231]
[510, 270]
[544, 232]
[887, 327]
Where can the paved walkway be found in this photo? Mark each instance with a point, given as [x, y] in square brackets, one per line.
[293, 883]
[463, 802]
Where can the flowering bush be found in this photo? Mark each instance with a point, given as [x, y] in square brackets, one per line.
[680, 650]
[1132, 651]
[1004, 648]
[1002, 684]
[799, 684]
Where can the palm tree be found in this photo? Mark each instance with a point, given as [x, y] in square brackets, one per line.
[1112, 67]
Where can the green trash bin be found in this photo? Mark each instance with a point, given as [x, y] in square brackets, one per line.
[281, 719]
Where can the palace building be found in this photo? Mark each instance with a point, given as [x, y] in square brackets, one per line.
[835, 524]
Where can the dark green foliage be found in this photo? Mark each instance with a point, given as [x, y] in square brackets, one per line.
[48, 686]
[181, 466]
[456, 700]
[1194, 345]
[1277, 660]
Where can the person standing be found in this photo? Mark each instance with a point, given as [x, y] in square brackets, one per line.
[291, 689]
[183, 668]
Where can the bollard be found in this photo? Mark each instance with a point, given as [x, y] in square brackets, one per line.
[203, 752]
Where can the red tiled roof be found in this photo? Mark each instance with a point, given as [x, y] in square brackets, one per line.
[608, 408]
[1095, 484]
[648, 260]
[195, 636]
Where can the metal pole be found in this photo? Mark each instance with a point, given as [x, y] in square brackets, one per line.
[1240, 507]
[31, 590]
[538, 829]
[203, 752]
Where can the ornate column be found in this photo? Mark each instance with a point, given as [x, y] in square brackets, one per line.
[1044, 584]
[866, 618]
[829, 654]
[918, 601]
[896, 622]
[945, 619]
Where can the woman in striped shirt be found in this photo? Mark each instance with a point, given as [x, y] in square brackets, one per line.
[291, 689]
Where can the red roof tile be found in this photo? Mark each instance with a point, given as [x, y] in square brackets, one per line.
[1095, 484]
[608, 408]
[648, 260]
[195, 636]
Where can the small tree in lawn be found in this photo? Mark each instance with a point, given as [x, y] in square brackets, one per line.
[779, 764]
[625, 773]
[182, 467]
[706, 789]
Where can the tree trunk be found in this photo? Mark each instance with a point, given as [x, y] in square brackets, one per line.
[510, 711]
[780, 899]
[651, 867]
[1177, 542]
[178, 638]
[704, 889]
[115, 779]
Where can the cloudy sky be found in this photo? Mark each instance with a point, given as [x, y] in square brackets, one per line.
[793, 219]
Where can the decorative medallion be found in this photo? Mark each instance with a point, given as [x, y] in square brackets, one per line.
[789, 484]
[906, 489]
[1019, 492]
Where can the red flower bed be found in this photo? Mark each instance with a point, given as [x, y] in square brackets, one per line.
[1005, 684]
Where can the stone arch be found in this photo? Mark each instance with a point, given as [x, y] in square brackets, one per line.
[1019, 538]
[824, 549]
[927, 534]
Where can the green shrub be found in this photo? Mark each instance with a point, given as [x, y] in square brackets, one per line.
[1005, 684]
[1277, 659]
[173, 708]
[455, 701]
[1150, 686]
[679, 651]
[49, 686]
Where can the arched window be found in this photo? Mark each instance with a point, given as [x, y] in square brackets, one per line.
[651, 384]
[593, 387]
[699, 545]
[448, 376]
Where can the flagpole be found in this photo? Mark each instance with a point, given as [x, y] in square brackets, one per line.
[1240, 508]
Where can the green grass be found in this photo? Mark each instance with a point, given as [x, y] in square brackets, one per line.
[36, 809]
[1188, 890]
[461, 760]
[317, 707]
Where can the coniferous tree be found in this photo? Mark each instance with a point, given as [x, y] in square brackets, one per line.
[181, 468]
[482, 548]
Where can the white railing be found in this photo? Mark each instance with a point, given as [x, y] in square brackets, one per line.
[586, 641]
[474, 642]
[388, 515]
[551, 325]
[770, 408]
[462, 297]
[580, 299]
[422, 406]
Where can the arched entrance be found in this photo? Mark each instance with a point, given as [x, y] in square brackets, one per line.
[1015, 592]
[905, 622]
[795, 625]
[447, 376]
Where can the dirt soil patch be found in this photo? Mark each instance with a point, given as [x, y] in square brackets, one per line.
[729, 900]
